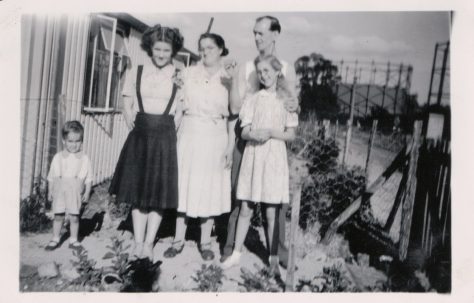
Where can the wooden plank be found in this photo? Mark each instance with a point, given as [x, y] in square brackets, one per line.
[371, 145]
[354, 206]
[349, 124]
[409, 201]
[295, 214]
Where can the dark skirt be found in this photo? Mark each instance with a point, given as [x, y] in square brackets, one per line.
[146, 175]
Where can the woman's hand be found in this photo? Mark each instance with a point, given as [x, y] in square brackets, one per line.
[129, 119]
[228, 156]
[291, 104]
[231, 68]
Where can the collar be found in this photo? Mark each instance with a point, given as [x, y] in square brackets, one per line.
[66, 154]
[205, 74]
[265, 92]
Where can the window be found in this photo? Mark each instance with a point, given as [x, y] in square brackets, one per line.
[107, 61]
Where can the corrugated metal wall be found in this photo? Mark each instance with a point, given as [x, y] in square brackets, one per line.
[47, 43]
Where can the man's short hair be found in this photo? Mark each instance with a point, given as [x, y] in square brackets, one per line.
[274, 23]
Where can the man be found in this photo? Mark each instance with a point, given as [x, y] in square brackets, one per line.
[266, 32]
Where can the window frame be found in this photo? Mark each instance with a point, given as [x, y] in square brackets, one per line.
[87, 106]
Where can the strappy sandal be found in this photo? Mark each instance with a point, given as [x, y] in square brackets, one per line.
[52, 245]
[206, 253]
[174, 250]
[75, 245]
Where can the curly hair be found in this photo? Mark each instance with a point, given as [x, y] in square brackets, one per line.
[162, 33]
[218, 40]
[72, 127]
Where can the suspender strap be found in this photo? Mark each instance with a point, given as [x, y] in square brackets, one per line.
[139, 80]
[170, 103]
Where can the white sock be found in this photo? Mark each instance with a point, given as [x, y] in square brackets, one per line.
[72, 240]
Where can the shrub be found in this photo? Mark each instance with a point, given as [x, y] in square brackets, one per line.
[209, 278]
[331, 280]
[118, 255]
[89, 275]
[330, 188]
[33, 210]
[261, 281]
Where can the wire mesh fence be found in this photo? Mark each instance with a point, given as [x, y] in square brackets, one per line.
[333, 180]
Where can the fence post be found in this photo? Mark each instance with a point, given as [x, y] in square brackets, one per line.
[336, 129]
[295, 216]
[349, 123]
[371, 145]
[325, 130]
[409, 196]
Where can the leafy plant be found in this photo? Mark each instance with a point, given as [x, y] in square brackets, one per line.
[89, 275]
[326, 195]
[119, 256]
[261, 281]
[331, 280]
[209, 278]
[33, 210]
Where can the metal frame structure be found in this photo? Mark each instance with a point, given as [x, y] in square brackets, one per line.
[372, 84]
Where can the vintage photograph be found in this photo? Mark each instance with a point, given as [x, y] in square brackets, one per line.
[235, 152]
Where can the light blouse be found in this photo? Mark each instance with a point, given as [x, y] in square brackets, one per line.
[204, 94]
[156, 88]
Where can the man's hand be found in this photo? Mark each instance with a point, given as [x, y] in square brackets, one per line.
[291, 104]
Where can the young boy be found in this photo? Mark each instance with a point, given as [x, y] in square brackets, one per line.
[69, 181]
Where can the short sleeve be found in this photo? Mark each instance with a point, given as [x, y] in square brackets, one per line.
[53, 168]
[291, 119]
[129, 87]
[247, 111]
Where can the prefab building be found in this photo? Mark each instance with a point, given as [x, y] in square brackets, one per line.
[73, 68]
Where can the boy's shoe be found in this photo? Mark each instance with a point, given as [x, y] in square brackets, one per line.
[233, 260]
[52, 245]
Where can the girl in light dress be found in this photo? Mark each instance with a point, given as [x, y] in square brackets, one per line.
[264, 175]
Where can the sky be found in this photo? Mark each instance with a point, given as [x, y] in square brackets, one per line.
[398, 37]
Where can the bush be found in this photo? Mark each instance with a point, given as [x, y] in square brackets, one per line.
[331, 280]
[262, 281]
[209, 278]
[33, 210]
[330, 188]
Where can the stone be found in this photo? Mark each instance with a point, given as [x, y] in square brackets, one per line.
[69, 273]
[27, 271]
[48, 270]
[363, 260]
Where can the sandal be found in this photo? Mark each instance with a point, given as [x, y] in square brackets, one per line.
[173, 250]
[206, 253]
[52, 245]
[75, 245]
